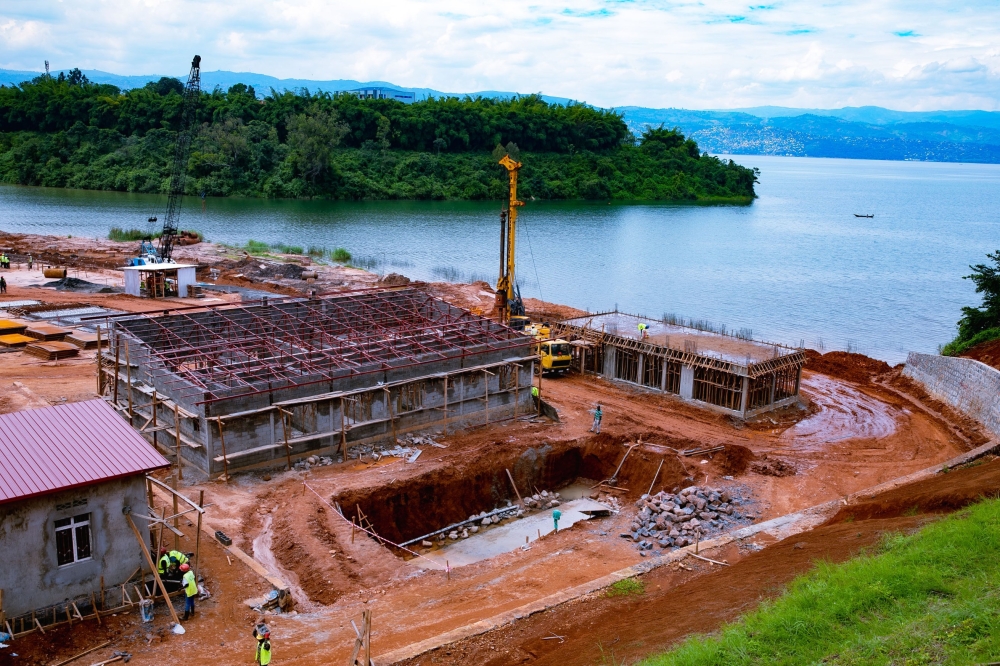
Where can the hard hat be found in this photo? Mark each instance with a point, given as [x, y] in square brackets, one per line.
[163, 551]
[185, 567]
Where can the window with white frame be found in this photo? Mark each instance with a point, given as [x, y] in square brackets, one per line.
[73, 539]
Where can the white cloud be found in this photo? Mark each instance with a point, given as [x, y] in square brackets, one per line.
[712, 54]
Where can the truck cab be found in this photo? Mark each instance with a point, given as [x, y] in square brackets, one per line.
[555, 356]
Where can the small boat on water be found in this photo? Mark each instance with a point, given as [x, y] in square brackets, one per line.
[859, 215]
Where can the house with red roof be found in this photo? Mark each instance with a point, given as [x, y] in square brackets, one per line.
[68, 475]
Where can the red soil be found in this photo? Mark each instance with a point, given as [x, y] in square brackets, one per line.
[987, 352]
[678, 603]
[847, 366]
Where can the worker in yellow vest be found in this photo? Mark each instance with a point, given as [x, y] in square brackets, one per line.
[263, 636]
[190, 590]
[165, 558]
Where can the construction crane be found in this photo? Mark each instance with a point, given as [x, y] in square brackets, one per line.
[554, 354]
[192, 92]
[509, 303]
[178, 173]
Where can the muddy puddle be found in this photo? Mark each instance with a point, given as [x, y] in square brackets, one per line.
[844, 413]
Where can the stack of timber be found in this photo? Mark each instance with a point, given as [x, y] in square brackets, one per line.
[46, 332]
[52, 351]
[12, 326]
[85, 340]
[14, 340]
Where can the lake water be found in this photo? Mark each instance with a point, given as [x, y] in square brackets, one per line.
[794, 266]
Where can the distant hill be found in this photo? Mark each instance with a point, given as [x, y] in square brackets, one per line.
[865, 132]
[853, 132]
[261, 83]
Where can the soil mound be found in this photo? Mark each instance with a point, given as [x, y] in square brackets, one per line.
[987, 352]
[734, 459]
[76, 284]
[394, 280]
[772, 467]
[942, 493]
[856, 368]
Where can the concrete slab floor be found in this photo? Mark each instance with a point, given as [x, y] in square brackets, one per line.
[513, 535]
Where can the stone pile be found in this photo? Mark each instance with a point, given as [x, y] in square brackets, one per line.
[672, 520]
[313, 461]
[543, 500]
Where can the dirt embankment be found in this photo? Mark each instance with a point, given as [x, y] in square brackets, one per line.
[851, 367]
[987, 352]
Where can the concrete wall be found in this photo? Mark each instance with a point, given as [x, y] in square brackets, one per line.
[967, 385]
[30, 576]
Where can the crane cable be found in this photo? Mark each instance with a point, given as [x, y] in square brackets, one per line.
[531, 254]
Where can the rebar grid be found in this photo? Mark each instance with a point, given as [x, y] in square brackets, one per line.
[244, 350]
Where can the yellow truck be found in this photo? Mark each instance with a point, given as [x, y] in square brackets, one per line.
[554, 355]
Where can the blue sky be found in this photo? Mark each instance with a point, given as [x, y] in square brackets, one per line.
[911, 55]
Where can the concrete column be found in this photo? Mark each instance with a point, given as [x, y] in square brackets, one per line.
[798, 380]
[663, 377]
[640, 370]
[609, 361]
[774, 384]
[745, 396]
[687, 381]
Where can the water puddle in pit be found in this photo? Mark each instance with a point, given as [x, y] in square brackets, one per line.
[505, 538]
[844, 413]
[577, 489]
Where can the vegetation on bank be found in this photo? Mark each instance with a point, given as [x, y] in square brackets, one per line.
[68, 132]
[981, 324]
[929, 598]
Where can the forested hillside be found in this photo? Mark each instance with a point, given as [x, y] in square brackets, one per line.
[68, 132]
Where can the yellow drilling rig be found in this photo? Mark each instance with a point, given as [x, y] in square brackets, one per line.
[554, 355]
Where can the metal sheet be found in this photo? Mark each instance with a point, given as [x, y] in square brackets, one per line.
[55, 448]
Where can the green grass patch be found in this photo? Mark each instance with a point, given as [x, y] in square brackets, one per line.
[958, 346]
[284, 248]
[929, 598]
[126, 235]
[340, 255]
[256, 248]
[625, 587]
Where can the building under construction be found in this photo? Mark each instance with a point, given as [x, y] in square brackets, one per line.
[261, 383]
[736, 375]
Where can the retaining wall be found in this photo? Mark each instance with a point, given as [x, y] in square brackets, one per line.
[967, 385]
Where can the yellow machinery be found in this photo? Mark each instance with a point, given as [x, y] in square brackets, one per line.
[509, 303]
[554, 355]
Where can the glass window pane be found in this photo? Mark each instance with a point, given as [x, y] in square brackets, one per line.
[62, 523]
[64, 547]
[83, 542]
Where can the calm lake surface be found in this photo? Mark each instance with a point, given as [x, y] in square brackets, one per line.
[794, 266]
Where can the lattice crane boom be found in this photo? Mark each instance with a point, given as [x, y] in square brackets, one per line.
[182, 149]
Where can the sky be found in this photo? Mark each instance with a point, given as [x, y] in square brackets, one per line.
[908, 55]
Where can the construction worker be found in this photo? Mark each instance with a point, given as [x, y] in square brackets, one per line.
[598, 414]
[170, 556]
[556, 515]
[263, 636]
[190, 590]
[642, 330]
[3, 285]
[30, 262]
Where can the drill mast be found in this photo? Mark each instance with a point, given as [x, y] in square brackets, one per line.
[508, 296]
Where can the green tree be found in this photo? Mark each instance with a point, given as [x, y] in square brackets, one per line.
[312, 136]
[987, 281]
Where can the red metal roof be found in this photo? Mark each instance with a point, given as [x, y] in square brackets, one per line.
[77, 444]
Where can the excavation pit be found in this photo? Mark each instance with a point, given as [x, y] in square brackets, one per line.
[418, 508]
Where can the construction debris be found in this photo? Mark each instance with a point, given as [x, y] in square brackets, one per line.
[674, 521]
[772, 467]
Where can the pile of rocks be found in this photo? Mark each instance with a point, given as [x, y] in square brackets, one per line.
[543, 500]
[313, 461]
[675, 520]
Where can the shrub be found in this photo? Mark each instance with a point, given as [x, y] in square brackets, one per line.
[340, 255]
[126, 235]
